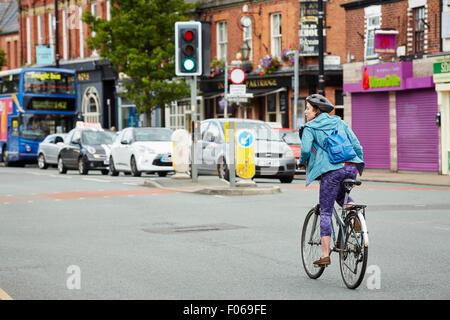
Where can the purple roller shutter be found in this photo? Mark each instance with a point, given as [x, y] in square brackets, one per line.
[370, 122]
[417, 132]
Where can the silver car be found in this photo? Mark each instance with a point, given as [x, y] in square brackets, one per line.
[49, 148]
[273, 157]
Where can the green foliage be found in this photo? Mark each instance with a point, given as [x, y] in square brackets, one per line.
[2, 58]
[139, 40]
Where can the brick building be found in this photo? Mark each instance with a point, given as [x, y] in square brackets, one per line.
[97, 80]
[390, 97]
[9, 33]
[268, 28]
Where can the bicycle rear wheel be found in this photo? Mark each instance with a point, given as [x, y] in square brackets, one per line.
[311, 246]
[353, 253]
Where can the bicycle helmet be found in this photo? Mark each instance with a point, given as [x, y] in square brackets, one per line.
[319, 101]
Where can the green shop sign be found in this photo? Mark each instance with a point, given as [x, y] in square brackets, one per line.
[387, 81]
[441, 67]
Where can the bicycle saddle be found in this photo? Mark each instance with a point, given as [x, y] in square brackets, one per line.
[352, 182]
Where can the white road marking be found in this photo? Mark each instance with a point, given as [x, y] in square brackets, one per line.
[97, 180]
[60, 176]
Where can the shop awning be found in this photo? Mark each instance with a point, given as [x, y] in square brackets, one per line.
[265, 92]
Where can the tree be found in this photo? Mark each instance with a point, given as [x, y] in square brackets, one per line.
[2, 58]
[139, 40]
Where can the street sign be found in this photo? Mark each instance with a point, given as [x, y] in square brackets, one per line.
[237, 89]
[237, 99]
[245, 153]
[237, 76]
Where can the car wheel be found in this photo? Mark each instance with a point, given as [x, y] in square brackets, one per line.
[41, 162]
[288, 179]
[82, 166]
[223, 171]
[61, 168]
[134, 171]
[112, 169]
[105, 172]
[162, 173]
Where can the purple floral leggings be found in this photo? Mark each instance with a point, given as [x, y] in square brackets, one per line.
[331, 190]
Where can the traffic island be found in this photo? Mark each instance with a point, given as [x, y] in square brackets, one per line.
[209, 185]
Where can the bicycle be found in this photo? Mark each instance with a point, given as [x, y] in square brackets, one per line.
[351, 245]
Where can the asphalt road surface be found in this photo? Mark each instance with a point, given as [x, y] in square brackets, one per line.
[102, 237]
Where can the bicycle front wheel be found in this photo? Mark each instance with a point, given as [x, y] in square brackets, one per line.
[353, 252]
[311, 245]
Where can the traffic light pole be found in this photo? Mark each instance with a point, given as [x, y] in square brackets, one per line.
[194, 170]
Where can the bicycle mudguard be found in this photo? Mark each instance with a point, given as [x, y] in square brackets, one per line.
[364, 229]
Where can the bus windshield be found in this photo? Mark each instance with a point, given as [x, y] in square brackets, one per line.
[46, 82]
[38, 126]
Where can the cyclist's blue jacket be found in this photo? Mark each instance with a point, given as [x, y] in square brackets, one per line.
[316, 158]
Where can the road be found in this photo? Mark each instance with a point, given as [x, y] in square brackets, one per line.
[102, 237]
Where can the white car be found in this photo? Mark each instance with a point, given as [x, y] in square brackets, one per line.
[139, 150]
[49, 148]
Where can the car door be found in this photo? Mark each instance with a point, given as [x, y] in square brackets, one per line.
[73, 150]
[54, 148]
[210, 149]
[201, 144]
[126, 149]
[46, 147]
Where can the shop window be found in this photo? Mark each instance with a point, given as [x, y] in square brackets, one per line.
[419, 29]
[338, 98]
[91, 105]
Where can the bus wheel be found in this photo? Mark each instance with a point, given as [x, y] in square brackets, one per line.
[5, 156]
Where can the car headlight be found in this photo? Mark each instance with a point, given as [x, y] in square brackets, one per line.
[145, 149]
[91, 149]
[289, 154]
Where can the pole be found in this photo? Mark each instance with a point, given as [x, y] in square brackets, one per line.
[320, 31]
[294, 114]
[225, 112]
[56, 34]
[232, 164]
[194, 171]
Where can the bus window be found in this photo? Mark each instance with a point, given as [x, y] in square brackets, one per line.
[9, 84]
[38, 126]
[46, 82]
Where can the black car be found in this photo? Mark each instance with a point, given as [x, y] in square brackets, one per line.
[86, 149]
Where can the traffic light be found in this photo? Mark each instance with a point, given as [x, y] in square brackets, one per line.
[188, 48]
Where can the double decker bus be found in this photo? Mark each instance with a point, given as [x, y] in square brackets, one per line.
[34, 102]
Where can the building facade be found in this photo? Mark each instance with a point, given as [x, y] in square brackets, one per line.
[9, 33]
[390, 95]
[265, 30]
[97, 81]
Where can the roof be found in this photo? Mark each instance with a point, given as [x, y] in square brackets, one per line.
[9, 17]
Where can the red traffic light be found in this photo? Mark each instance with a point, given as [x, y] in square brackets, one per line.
[188, 35]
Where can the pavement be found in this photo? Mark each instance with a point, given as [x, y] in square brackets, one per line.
[212, 185]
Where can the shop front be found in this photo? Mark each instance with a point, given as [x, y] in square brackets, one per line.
[270, 100]
[393, 115]
[441, 78]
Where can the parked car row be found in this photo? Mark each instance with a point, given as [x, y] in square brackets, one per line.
[149, 150]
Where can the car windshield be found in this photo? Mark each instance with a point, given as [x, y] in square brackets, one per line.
[153, 135]
[290, 137]
[98, 137]
[262, 130]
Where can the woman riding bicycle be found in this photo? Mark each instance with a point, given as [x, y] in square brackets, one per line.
[313, 134]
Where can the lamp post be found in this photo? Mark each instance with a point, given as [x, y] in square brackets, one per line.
[320, 32]
[245, 51]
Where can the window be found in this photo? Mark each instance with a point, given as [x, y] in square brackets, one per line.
[213, 133]
[419, 29]
[94, 13]
[372, 24]
[9, 84]
[221, 40]
[50, 28]
[247, 37]
[39, 30]
[275, 34]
